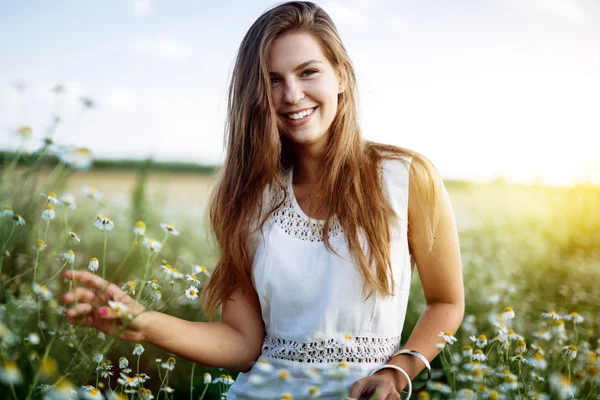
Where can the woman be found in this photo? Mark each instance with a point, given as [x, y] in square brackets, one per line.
[318, 231]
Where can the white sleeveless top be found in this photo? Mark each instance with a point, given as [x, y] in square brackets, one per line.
[312, 302]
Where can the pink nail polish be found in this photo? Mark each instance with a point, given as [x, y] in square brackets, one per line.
[102, 311]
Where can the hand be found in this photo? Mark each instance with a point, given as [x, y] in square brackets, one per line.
[92, 307]
[380, 386]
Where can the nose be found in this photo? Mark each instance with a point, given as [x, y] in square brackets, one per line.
[293, 92]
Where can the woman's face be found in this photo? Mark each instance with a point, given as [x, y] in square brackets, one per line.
[304, 83]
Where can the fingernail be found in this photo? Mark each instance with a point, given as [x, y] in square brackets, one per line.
[102, 311]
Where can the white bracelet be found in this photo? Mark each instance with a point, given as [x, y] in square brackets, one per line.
[399, 369]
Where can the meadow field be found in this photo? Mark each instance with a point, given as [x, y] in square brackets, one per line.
[531, 265]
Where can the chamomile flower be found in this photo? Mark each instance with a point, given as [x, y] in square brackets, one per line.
[34, 338]
[569, 352]
[129, 287]
[91, 192]
[575, 317]
[167, 389]
[478, 356]
[74, 236]
[139, 228]
[69, 256]
[42, 291]
[558, 328]
[521, 347]
[117, 306]
[207, 378]
[551, 315]
[93, 394]
[93, 264]
[447, 336]
[519, 359]
[170, 364]
[50, 197]
[510, 383]
[68, 200]
[199, 269]
[39, 245]
[543, 334]
[192, 278]
[563, 386]
[191, 293]
[467, 351]
[138, 349]
[508, 314]
[152, 244]
[339, 370]
[480, 341]
[287, 396]
[10, 373]
[314, 374]
[97, 357]
[48, 213]
[19, 220]
[123, 363]
[153, 284]
[104, 223]
[128, 381]
[314, 392]
[7, 212]
[439, 387]
[283, 374]
[169, 228]
[464, 394]
[156, 295]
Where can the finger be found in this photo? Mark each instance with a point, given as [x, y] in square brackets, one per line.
[80, 310]
[79, 294]
[360, 387]
[86, 278]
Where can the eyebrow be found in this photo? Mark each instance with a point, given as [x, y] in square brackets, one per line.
[304, 64]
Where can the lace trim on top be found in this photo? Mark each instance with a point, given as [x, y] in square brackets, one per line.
[295, 224]
[356, 349]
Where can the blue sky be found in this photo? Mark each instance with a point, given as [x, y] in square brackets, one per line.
[483, 88]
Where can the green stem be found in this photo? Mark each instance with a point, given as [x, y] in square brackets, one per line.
[204, 391]
[104, 255]
[192, 382]
[12, 389]
[57, 272]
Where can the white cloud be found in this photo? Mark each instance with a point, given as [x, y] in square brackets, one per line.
[353, 16]
[161, 47]
[141, 7]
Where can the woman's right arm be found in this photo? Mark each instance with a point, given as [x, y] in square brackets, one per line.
[234, 343]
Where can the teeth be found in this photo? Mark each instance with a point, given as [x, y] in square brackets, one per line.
[301, 114]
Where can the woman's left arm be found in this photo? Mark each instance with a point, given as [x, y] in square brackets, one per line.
[440, 271]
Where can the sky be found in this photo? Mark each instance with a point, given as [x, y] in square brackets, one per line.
[484, 89]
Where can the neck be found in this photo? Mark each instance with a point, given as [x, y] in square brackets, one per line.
[307, 168]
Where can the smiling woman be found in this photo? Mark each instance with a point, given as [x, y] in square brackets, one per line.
[318, 231]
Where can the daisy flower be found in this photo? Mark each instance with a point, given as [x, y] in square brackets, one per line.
[139, 228]
[191, 293]
[199, 269]
[127, 381]
[157, 295]
[69, 256]
[192, 278]
[287, 396]
[104, 223]
[314, 392]
[138, 349]
[510, 383]
[93, 394]
[97, 357]
[575, 317]
[521, 347]
[569, 352]
[439, 387]
[50, 197]
[7, 212]
[93, 264]
[176, 274]
[153, 284]
[478, 356]
[42, 291]
[257, 379]
[169, 228]
[207, 378]
[68, 200]
[74, 236]
[19, 220]
[129, 287]
[264, 366]
[467, 351]
[10, 373]
[283, 374]
[170, 364]
[167, 268]
[519, 358]
[562, 385]
[91, 192]
[48, 213]
[558, 327]
[508, 314]
[123, 363]
[167, 389]
[447, 336]
[152, 244]
[117, 306]
[40, 245]
[543, 334]
[551, 315]
[34, 338]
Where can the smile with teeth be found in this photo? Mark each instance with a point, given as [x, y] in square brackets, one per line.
[302, 114]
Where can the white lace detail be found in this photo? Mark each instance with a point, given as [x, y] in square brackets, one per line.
[295, 224]
[357, 349]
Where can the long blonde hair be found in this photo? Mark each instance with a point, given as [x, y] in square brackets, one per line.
[257, 154]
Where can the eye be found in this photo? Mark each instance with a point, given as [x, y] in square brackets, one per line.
[309, 71]
[274, 80]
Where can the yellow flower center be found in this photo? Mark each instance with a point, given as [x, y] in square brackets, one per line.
[508, 309]
[284, 374]
[49, 207]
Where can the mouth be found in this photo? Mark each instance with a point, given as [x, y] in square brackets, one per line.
[299, 115]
